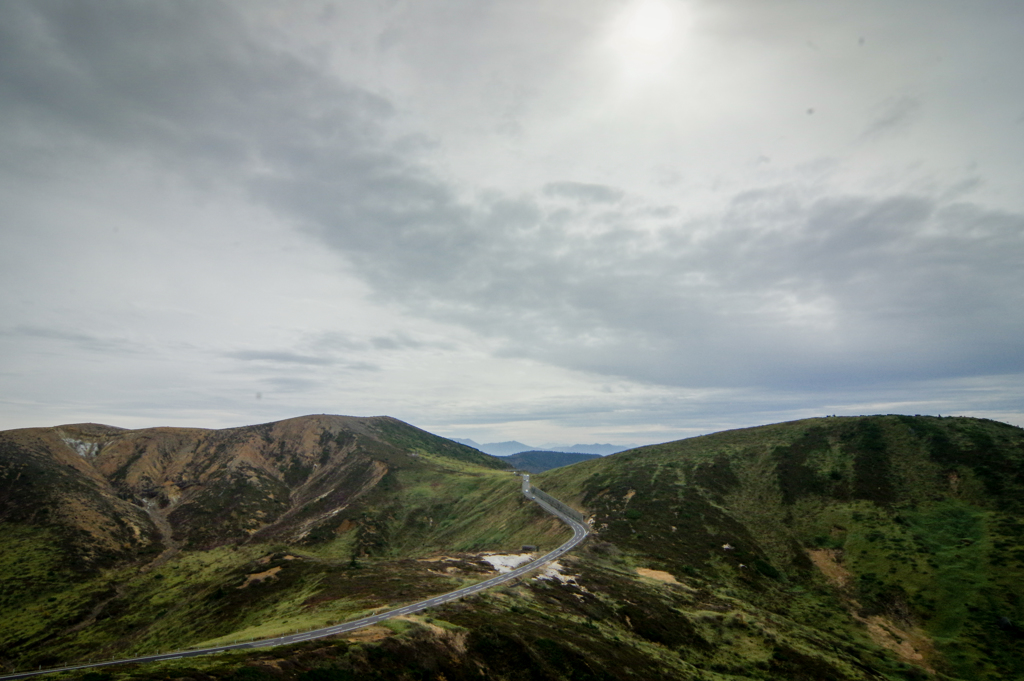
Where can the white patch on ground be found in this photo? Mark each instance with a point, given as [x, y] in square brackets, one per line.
[86, 449]
[553, 571]
[508, 562]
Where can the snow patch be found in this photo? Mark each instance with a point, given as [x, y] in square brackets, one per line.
[553, 572]
[86, 449]
[508, 562]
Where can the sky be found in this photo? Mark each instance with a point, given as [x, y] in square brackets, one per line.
[625, 221]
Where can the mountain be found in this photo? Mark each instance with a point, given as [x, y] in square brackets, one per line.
[539, 461]
[514, 447]
[495, 448]
[601, 450]
[882, 547]
[466, 441]
[889, 536]
[112, 492]
[505, 448]
[120, 541]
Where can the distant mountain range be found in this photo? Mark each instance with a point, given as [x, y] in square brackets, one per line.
[495, 448]
[540, 461]
[514, 447]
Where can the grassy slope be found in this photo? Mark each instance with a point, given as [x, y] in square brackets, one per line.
[428, 503]
[606, 623]
[924, 514]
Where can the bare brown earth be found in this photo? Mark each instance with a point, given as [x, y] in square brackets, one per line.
[827, 561]
[911, 644]
[659, 575]
[259, 577]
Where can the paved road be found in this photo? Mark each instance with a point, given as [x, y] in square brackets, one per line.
[579, 533]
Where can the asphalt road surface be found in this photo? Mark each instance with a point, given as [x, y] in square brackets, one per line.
[579, 533]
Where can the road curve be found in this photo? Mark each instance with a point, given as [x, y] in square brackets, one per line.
[579, 533]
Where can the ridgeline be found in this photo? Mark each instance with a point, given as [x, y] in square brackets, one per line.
[882, 547]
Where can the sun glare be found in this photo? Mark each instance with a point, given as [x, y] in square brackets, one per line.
[644, 36]
[647, 23]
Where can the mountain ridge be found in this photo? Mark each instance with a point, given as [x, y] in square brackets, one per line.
[847, 548]
[266, 473]
[510, 447]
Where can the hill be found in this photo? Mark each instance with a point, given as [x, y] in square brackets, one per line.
[118, 541]
[884, 547]
[539, 461]
[112, 491]
[889, 533]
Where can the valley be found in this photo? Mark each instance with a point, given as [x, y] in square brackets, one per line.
[836, 548]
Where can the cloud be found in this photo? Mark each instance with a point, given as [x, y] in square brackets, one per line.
[785, 287]
[402, 341]
[292, 384]
[782, 289]
[83, 341]
[278, 357]
[279, 367]
[117, 74]
[793, 284]
[896, 114]
[596, 193]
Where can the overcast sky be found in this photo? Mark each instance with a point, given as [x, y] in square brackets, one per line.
[556, 222]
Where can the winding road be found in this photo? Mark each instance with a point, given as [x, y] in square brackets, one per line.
[579, 533]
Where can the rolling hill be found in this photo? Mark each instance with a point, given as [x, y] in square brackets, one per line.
[896, 533]
[883, 547]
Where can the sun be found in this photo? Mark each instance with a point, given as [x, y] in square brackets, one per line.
[644, 36]
[646, 24]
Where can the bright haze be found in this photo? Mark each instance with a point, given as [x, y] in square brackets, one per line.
[576, 221]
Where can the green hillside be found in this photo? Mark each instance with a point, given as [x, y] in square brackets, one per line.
[908, 529]
[886, 547]
[328, 513]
